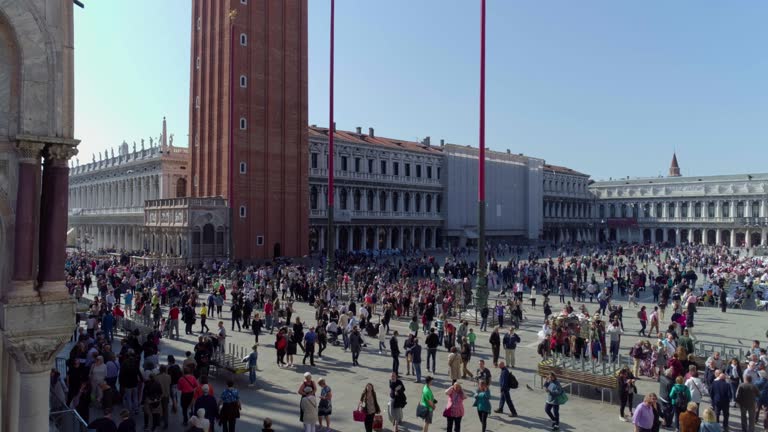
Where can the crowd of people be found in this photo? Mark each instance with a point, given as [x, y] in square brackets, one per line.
[356, 310]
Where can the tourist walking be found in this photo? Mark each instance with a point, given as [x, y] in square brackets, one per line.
[230, 407]
[394, 351]
[555, 398]
[746, 397]
[645, 417]
[454, 365]
[355, 345]
[324, 406]
[511, 339]
[483, 403]
[507, 382]
[426, 407]
[369, 404]
[495, 341]
[709, 422]
[397, 401]
[721, 395]
[679, 396]
[309, 409]
[253, 361]
[689, 420]
[454, 409]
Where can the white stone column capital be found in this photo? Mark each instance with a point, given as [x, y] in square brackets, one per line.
[35, 353]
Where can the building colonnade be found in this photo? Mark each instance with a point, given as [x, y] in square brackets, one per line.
[377, 237]
[129, 192]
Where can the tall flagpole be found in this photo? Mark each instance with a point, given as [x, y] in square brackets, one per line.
[330, 272]
[482, 285]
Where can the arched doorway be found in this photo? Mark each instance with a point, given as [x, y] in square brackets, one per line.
[208, 238]
[343, 238]
[711, 237]
[276, 252]
[370, 237]
[407, 239]
[181, 188]
[725, 238]
[395, 243]
[659, 235]
[357, 239]
[671, 237]
[754, 239]
[381, 238]
[684, 236]
[646, 235]
[428, 237]
[697, 236]
[314, 239]
[417, 238]
[741, 239]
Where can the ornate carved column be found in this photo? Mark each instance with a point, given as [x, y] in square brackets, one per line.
[27, 221]
[53, 219]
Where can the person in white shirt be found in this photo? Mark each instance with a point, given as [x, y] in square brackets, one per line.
[696, 386]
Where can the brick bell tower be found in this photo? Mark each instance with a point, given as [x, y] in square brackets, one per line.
[674, 168]
[248, 120]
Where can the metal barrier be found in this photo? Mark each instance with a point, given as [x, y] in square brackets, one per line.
[230, 360]
[727, 351]
[64, 419]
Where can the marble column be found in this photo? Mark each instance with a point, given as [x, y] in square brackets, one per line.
[747, 239]
[321, 239]
[364, 238]
[764, 237]
[27, 221]
[733, 238]
[53, 219]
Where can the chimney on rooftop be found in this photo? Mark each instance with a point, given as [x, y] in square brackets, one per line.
[426, 141]
[370, 132]
[442, 143]
[509, 151]
[359, 130]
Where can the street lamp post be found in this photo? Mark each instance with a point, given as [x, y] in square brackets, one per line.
[482, 284]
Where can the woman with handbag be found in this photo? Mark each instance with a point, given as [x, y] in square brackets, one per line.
[324, 407]
[555, 397]
[627, 391]
[229, 411]
[369, 404]
[454, 409]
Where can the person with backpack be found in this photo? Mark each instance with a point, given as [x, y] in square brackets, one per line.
[397, 401]
[679, 396]
[507, 382]
[555, 397]
[511, 339]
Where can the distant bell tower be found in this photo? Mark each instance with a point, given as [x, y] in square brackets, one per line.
[674, 168]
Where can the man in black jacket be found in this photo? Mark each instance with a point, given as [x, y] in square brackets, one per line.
[394, 350]
[433, 341]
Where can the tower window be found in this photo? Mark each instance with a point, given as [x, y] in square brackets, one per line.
[242, 211]
[199, 23]
[259, 240]
[243, 39]
[242, 167]
[197, 139]
[197, 101]
[243, 81]
[245, 2]
[242, 123]
[197, 62]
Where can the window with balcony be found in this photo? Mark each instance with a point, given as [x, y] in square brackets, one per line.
[438, 203]
[755, 208]
[646, 210]
[623, 210]
[382, 201]
[313, 160]
[407, 204]
[418, 171]
[395, 201]
[313, 198]
[407, 170]
[613, 211]
[429, 204]
[357, 165]
[343, 199]
[429, 172]
[740, 209]
[356, 200]
[711, 210]
[659, 209]
[370, 166]
[418, 203]
[369, 201]
[383, 167]
[671, 210]
[726, 209]
[438, 173]
[697, 210]
[601, 211]
[684, 210]
[344, 163]
[396, 168]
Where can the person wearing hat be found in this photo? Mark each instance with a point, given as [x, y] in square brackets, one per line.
[208, 403]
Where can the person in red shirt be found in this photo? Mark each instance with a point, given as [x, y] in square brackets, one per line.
[173, 316]
[268, 309]
[187, 385]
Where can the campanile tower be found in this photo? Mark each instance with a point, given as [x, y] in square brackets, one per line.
[248, 120]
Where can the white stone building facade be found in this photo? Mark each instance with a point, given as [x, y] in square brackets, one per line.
[568, 206]
[107, 196]
[724, 209]
[388, 192]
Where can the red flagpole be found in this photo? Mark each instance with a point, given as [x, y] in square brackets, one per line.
[330, 244]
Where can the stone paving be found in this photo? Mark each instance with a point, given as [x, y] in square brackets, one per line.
[275, 394]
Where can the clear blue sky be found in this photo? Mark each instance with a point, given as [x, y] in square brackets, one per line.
[605, 87]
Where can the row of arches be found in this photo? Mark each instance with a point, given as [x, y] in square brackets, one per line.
[378, 200]
[358, 238]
